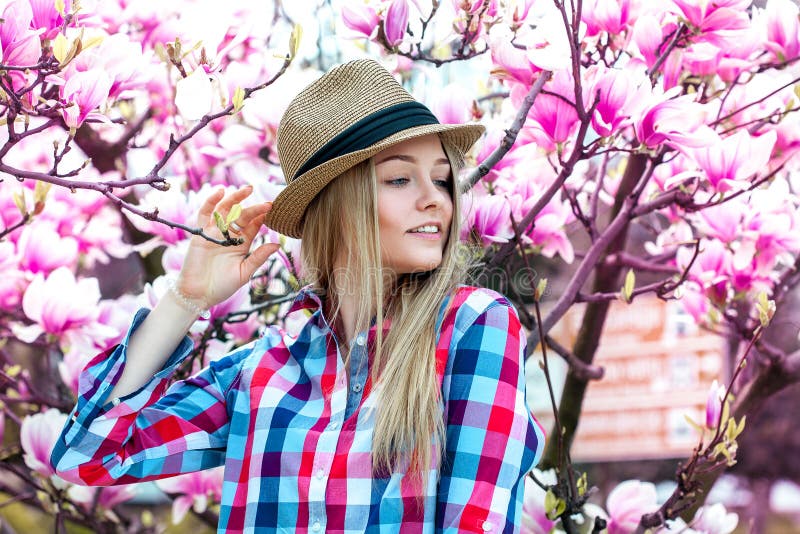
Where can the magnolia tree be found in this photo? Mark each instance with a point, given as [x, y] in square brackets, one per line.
[604, 117]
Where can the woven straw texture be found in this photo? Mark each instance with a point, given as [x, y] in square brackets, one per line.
[326, 108]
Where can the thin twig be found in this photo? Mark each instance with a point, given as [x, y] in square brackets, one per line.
[511, 135]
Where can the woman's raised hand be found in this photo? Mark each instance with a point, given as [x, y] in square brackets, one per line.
[211, 273]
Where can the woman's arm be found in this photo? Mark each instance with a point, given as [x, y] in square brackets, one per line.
[141, 435]
[154, 340]
[492, 440]
[149, 433]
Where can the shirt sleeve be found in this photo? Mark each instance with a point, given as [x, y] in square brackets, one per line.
[492, 440]
[150, 433]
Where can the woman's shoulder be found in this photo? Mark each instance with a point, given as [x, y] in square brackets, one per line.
[466, 303]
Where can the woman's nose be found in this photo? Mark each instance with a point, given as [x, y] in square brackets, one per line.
[431, 195]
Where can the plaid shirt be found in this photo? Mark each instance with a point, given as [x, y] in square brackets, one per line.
[295, 438]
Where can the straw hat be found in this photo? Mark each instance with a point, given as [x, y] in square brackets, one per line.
[345, 117]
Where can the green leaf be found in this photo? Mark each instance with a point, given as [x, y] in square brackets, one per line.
[236, 211]
[583, 484]
[40, 191]
[553, 506]
[730, 429]
[726, 411]
[238, 99]
[692, 423]
[766, 308]
[540, 287]
[627, 289]
[220, 222]
[294, 40]
[734, 429]
[60, 47]
[19, 200]
[720, 449]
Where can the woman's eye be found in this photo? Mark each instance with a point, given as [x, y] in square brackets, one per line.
[444, 183]
[398, 181]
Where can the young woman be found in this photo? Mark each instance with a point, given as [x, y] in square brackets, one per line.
[400, 405]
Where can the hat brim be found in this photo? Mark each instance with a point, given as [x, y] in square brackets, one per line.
[288, 208]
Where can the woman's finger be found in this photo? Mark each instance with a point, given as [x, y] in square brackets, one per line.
[258, 257]
[224, 205]
[208, 206]
[252, 218]
[253, 212]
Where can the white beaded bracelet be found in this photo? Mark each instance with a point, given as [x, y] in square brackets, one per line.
[187, 304]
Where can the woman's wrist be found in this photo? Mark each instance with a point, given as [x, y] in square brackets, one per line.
[198, 307]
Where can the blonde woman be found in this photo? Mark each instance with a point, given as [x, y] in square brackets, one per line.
[399, 406]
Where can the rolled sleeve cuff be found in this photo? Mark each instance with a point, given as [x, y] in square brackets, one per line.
[103, 372]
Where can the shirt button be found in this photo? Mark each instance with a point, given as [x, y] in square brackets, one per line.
[357, 388]
[316, 526]
[486, 526]
[360, 340]
[321, 474]
[115, 402]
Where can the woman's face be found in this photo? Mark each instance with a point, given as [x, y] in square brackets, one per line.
[414, 204]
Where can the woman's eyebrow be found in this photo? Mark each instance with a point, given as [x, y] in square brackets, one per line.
[411, 159]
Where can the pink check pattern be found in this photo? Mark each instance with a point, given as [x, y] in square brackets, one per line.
[273, 413]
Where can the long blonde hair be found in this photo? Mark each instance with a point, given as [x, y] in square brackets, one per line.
[409, 429]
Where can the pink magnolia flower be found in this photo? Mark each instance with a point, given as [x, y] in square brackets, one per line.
[194, 491]
[122, 59]
[360, 17]
[711, 268]
[83, 92]
[723, 222]
[41, 249]
[548, 233]
[239, 301]
[20, 45]
[701, 59]
[489, 144]
[394, 25]
[714, 16]
[714, 519]
[116, 314]
[620, 92]
[771, 222]
[627, 503]
[648, 36]
[730, 162]
[71, 367]
[107, 498]
[489, 216]
[782, 29]
[194, 95]
[38, 435]
[510, 62]
[100, 237]
[610, 16]
[12, 280]
[61, 306]
[714, 404]
[534, 519]
[677, 122]
[472, 6]
[694, 302]
[554, 118]
[173, 205]
[46, 17]
[453, 104]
